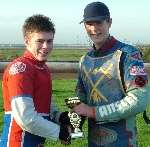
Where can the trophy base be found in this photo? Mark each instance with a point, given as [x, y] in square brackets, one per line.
[77, 135]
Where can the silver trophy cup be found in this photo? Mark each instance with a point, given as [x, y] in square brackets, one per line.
[75, 119]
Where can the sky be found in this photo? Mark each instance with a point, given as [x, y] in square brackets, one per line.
[130, 19]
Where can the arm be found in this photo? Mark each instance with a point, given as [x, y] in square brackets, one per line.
[135, 101]
[29, 120]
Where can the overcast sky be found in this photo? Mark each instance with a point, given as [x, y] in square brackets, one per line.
[131, 19]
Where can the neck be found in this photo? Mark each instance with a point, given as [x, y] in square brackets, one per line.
[108, 44]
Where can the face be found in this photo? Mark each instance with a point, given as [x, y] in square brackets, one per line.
[39, 44]
[98, 31]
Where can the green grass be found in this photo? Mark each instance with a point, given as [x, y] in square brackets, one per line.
[65, 88]
[56, 54]
[66, 54]
[143, 131]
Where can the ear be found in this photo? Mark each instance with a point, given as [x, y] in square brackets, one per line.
[26, 40]
[110, 22]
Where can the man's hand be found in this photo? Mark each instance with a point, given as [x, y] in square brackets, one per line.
[84, 110]
[64, 135]
[72, 101]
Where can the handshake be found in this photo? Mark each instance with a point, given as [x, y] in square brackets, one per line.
[70, 122]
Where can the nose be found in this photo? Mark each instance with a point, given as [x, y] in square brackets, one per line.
[93, 28]
[45, 44]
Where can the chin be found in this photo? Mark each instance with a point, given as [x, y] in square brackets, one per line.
[97, 40]
[42, 59]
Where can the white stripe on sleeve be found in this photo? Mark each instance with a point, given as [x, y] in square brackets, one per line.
[29, 120]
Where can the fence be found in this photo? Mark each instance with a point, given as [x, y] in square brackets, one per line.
[63, 66]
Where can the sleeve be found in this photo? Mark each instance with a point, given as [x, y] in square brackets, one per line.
[20, 79]
[137, 92]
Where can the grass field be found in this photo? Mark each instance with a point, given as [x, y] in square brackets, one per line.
[56, 54]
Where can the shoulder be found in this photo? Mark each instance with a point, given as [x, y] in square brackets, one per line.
[132, 52]
[17, 66]
[129, 49]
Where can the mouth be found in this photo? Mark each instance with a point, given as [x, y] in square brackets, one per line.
[43, 53]
[96, 35]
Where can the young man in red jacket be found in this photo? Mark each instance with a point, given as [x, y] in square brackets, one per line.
[27, 92]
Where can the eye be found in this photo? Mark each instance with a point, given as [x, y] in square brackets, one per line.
[89, 23]
[50, 41]
[93, 23]
[40, 41]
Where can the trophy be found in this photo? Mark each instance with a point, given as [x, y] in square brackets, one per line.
[75, 119]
